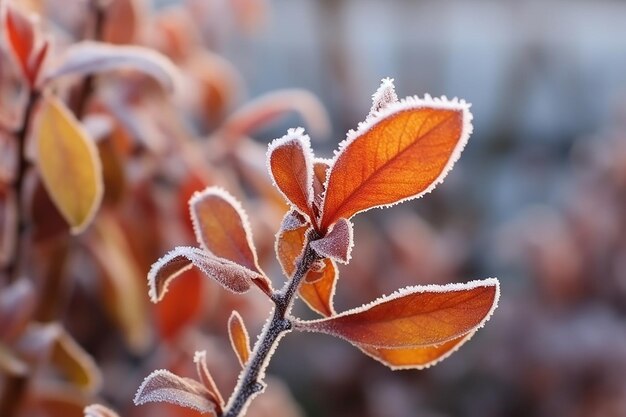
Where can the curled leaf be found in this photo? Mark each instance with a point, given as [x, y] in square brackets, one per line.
[88, 57]
[97, 410]
[415, 316]
[164, 386]
[400, 154]
[207, 379]
[290, 162]
[338, 242]
[239, 338]
[69, 164]
[230, 275]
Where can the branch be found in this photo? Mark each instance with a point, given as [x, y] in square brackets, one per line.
[251, 381]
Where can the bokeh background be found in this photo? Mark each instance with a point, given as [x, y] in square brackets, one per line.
[538, 198]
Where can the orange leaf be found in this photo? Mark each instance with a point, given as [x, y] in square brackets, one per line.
[291, 167]
[207, 379]
[69, 164]
[320, 169]
[221, 227]
[416, 357]
[415, 316]
[400, 154]
[230, 275]
[337, 244]
[181, 306]
[289, 245]
[318, 289]
[239, 338]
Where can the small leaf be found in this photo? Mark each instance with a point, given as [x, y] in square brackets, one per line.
[17, 304]
[207, 379]
[221, 226]
[289, 245]
[164, 386]
[21, 36]
[400, 154]
[415, 316]
[383, 97]
[69, 164]
[320, 170]
[338, 242]
[230, 275]
[88, 57]
[416, 357]
[318, 289]
[292, 221]
[97, 410]
[290, 162]
[239, 338]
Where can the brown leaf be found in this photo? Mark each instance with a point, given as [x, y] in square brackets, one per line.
[88, 57]
[69, 164]
[207, 379]
[239, 339]
[230, 275]
[400, 154]
[415, 316]
[164, 386]
[338, 242]
[290, 162]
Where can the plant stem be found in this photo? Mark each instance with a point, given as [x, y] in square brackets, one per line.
[251, 381]
[12, 268]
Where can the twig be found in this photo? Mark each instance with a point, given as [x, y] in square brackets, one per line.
[251, 381]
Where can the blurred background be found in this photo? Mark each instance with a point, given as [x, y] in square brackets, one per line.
[538, 198]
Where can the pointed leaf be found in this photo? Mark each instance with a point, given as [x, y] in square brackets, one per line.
[88, 57]
[290, 162]
[164, 386]
[207, 379]
[383, 97]
[416, 357]
[221, 227]
[239, 338]
[338, 242]
[69, 164]
[400, 154]
[320, 170]
[230, 275]
[21, 36]
[97, 410]
[318, 289]
[415, 316]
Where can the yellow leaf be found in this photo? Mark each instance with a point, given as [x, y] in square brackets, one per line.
[69, 164]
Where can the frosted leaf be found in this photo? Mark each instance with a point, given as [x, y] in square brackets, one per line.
[383, 97]
[338, 242]
[230, 275]
[292, 221]
[239, 338]
[88, 57]
[164, 386]
[97, 410]
[206, 378]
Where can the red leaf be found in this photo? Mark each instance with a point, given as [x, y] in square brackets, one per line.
[290, 161]
[318, 289]
[21, 36]
[415, 316]
[400, 154]
[182, 305]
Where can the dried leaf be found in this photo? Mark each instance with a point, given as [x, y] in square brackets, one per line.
[416, 357]
[318, 289]
[267, 108]
[88, 57]
[290, 162]
[222, 227]
[338, 242]
[400, 154]
[206, 378]
[17, 304]
[164, 386]
[97, 410]
[239, 339]
[69, 164]
[415, 316]
[230, 275]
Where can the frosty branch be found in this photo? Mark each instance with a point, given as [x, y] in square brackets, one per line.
[400, 152]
